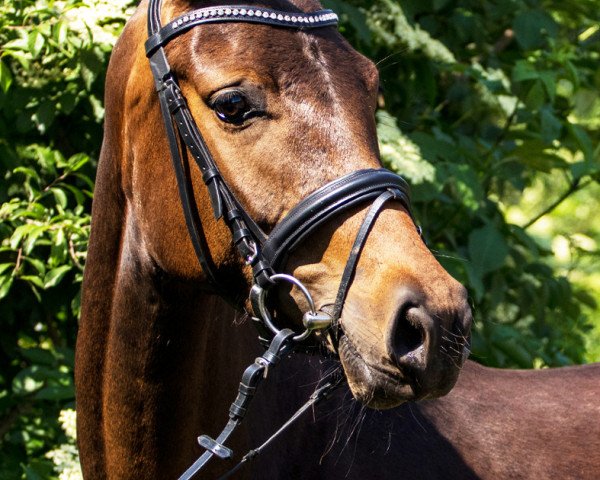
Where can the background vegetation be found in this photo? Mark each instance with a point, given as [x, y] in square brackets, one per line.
[491, 111]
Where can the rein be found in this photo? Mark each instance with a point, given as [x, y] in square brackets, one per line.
[265, 254]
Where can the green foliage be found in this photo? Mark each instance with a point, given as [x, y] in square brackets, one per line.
[491, 111]
[487, 98]
[51, 79]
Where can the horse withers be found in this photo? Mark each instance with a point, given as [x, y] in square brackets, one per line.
[286, 113]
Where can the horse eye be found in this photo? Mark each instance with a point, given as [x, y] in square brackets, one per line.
[232, 107]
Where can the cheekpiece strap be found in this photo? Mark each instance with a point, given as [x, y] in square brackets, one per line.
[239, 13]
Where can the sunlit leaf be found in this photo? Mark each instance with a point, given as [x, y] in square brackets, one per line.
[5, 77]
[19, 233]
[6, 282]
[60, 196]
[35, 43]
[37, 281]
[32, 236]
[54, 276]
[60, 32]
[5, 266]
[27, 381]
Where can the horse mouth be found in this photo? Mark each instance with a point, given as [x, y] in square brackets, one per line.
[377, 387]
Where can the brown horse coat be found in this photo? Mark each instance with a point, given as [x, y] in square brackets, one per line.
[494, 424]
[158, 358]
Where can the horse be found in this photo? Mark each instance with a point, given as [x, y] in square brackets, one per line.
[494, 424]
[263, 122]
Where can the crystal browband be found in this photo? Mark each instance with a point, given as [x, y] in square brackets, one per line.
[239, 13]
[318, 17]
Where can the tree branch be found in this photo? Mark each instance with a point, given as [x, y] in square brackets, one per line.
[575, 186]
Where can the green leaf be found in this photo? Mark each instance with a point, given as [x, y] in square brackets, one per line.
[548, 78]
[5, 266]
[536, 96]
[38, 356]
[581, 169]
[27, 381]
[550, 124]
[77, 193]
[467, 185]
[56, 392]
[28, 172]
[33, 235]
[60, 196]
[354, 16]
[54, 276]
[535, 154]
[523, 70]
[44, 116]
[37, 264]
[18, 43]
[5, 77]
[583, 140]
[6, 282]
[75, 162]
[19, 233]
[35, 43]
[60, 31]
[487, 249]
[517, 352]
[37, 281]
[532, 27]
[475, 281]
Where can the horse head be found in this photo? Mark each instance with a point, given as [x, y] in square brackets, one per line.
[284, 112]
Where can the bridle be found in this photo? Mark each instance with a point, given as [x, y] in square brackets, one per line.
[265, 254]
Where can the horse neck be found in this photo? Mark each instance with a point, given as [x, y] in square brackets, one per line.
[171, 360]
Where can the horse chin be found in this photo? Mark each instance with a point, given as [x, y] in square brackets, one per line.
[372, 385]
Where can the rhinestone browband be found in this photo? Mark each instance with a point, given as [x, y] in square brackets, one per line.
[239, 13]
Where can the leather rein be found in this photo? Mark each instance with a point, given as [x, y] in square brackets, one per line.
[265, 254]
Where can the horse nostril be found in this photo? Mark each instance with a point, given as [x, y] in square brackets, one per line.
[408, 337]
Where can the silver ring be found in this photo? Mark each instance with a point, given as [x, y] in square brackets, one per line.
[264, 312]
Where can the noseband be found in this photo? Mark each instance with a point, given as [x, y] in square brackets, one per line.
[265, 254]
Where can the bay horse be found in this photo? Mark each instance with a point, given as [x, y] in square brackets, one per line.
[285, 144]
[494, 424]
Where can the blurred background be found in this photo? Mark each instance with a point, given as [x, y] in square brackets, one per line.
[491, 110]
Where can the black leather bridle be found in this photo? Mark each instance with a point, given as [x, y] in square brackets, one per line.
[265, 254]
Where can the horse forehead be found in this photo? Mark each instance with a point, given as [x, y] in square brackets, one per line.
[308, 63]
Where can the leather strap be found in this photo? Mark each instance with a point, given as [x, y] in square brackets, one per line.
[192, 219]
[281, 344]
[328, 201]
[236, 13]
[357, 247]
